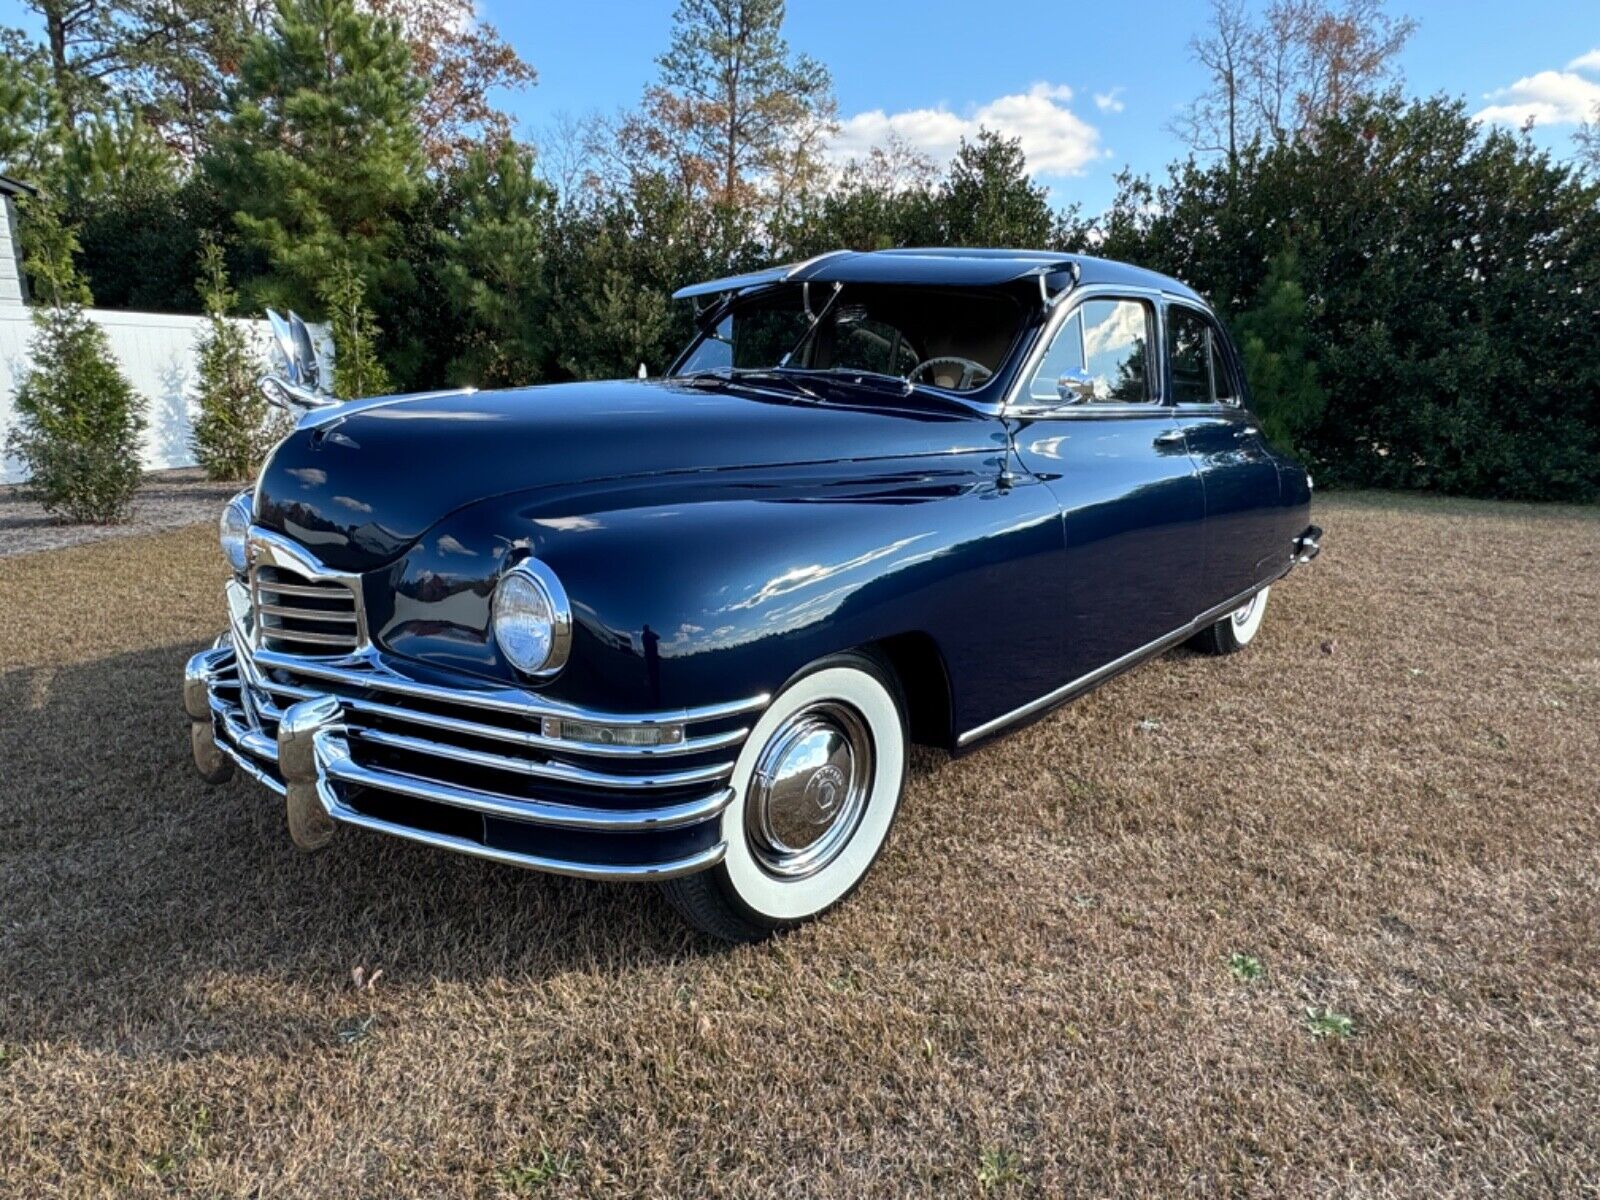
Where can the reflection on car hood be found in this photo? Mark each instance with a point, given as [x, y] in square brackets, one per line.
[359, 484]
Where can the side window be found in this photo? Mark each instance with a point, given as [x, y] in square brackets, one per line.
[1116, 349]
[1108, 340]
[1064, 356]
[1189, 342]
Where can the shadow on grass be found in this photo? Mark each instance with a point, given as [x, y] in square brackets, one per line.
[129, 886]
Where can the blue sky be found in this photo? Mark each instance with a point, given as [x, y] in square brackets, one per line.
[1040, 64]
[1089, 86]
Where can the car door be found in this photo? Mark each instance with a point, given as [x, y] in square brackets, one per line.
[1092, 425]
[1237, 468]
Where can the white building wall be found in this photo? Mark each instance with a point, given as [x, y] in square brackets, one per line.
[157, 354]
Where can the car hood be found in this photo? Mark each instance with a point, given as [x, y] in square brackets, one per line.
[359, 484]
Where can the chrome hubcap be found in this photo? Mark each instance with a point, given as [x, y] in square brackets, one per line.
[1241, 615]
[809, 790]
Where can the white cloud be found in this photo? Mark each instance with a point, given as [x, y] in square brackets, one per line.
[1547, 98]
[1586, 62]
[1109, 101]
[1056, 140]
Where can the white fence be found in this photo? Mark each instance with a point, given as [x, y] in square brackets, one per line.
[157, 354]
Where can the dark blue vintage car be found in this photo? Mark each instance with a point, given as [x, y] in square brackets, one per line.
[684, 629]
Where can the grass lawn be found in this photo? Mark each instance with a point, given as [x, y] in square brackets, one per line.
[1322, 918]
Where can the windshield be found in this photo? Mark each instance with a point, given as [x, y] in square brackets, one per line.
[949, 339]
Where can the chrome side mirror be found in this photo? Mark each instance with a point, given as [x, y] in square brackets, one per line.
[1076, 387]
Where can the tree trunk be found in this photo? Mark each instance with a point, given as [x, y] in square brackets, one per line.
[55, 28]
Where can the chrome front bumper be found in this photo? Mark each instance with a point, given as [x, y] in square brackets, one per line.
[361, 740]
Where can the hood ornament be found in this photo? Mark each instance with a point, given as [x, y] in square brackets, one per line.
[297, 385]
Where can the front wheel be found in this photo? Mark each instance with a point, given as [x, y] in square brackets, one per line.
[816, 789]
[1236, 630]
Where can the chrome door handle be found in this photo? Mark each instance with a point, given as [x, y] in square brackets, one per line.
[1172, 437]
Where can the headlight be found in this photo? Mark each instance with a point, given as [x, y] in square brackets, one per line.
[234, 529]
[532, 620]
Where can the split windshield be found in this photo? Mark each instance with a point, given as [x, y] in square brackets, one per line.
[935, 336]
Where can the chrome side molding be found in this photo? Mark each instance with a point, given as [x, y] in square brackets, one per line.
[1084, 682]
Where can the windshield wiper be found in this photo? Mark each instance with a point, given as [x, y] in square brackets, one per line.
[753, 374]
[899, 383]
[716, 374]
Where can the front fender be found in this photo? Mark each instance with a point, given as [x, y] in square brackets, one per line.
[689, 591]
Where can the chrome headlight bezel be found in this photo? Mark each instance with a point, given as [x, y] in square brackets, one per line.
[527, 581]
[233, 531]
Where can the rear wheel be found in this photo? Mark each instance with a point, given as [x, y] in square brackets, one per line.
[1236, 630]
[816, 789]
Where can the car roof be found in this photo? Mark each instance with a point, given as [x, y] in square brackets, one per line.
[942, 266]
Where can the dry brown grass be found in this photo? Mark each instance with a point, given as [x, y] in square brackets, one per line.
[1031, 995]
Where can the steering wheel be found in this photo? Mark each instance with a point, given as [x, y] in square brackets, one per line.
[972, 373]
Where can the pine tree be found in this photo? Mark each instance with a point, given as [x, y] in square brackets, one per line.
[492, 267]
[356, 369]
[31, 118]
[113, 155]
[322, 152]
[1274, 337]
[737, 121]
[236, 426]
[79, 420]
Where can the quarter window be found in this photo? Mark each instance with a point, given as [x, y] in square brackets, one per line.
[1190, 342]
[1221, 373]
[1108, 340]
[1200, 373]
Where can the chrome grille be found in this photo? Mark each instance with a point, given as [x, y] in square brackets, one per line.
[491, 741]
[299, 614]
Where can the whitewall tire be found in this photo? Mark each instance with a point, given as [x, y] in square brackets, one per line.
[1236, 630]
[816, 789]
